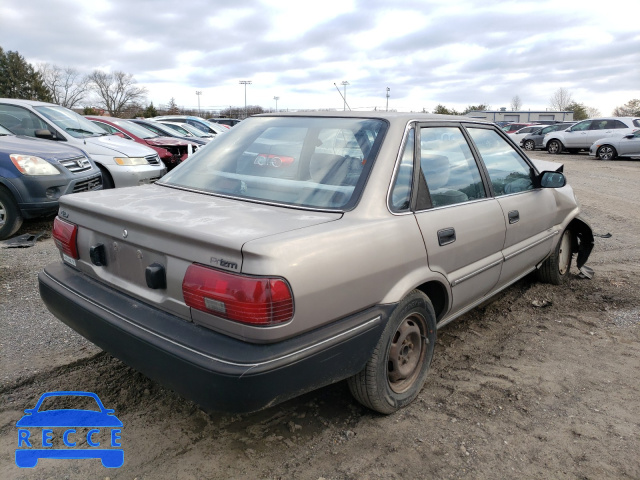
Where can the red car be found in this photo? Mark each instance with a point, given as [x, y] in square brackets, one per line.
[171, 150]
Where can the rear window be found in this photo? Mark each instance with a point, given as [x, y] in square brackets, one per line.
[312, 162]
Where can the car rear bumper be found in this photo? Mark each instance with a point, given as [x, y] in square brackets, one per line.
[216, 371]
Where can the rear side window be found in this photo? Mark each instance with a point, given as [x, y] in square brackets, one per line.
[300, 161]
[508, 171]
[615, 124]
[636, 122]
[448, 167]
[401, 191]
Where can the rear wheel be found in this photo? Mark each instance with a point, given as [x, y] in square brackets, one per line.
[397, 369]
[606, 152]
[529, 145]
[554, 146]
[10, 216]
[555, 269]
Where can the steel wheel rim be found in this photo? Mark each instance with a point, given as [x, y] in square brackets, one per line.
[564, 254]
[406, 353]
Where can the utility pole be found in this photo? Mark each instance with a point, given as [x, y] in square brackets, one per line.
[344, 96]
[245, 83]
[198, 93]
[276, 99]
[388, 89]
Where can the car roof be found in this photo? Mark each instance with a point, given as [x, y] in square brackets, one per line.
[392, 117]
[32, 103]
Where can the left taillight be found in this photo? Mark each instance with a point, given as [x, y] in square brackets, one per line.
[260, 301]
[65, 236]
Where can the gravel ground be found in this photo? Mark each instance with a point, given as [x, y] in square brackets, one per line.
[540, 383]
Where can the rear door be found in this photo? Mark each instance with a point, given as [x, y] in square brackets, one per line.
[462, 227]
[528, 213]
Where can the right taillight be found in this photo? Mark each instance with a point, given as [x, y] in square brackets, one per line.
[64, 235]
[260, 301]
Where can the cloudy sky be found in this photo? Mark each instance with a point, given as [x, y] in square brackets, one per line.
[426, 52]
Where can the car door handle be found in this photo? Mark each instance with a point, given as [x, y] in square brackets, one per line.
[446, 236]
[514, 216]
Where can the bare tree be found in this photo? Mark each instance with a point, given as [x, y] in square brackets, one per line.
[516, 103]
[560, 99]
[593, 112]
[629, 109]
[68, 87]
[116, 91]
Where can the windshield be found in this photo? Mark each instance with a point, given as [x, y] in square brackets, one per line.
[193, 131]
[68, 120]
[301, 161]
[134, 128]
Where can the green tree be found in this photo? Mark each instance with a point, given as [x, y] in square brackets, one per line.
[18, 79]
[578, 109]
[442, 110]
[90, 111]
[629, 109]
[150, 111]
[480, 108]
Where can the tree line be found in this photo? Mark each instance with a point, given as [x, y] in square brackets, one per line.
[118, 94]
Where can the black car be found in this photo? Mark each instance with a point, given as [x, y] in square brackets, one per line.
[35, 173]
[533, 141]
[164, 131]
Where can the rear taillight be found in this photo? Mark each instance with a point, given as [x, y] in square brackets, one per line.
[64, 234]
[252, 300]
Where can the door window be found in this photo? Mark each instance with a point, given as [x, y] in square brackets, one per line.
[448, 167]
[21, 121]
[508, 172]
[578, 127]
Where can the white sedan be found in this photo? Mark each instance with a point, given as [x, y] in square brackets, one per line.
[611, 147]
[523, 132]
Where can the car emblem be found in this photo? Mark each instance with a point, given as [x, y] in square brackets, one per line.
[125, 234]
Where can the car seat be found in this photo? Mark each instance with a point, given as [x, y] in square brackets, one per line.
[436, 171]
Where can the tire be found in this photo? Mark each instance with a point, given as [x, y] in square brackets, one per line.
[529, 145]
[554, 146]
[10, 216]
[555, 269]
[606, 152]
[397, 369]
[107, 180]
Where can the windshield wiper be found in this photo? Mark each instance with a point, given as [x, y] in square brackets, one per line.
[80, 130]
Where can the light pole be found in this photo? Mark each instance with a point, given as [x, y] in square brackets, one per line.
[198, 93]
[344, 96]
[245, 83]
[388, 98]
[276, 99]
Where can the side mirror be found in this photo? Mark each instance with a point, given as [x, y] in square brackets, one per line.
[631, 135]
[44, 134]
[549, 179]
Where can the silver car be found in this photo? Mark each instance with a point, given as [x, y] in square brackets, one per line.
[612, 147]
[582, 135]
[298, 250]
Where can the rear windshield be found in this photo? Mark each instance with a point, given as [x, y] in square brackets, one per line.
[312, 162]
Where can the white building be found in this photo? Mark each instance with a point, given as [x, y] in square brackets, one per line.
[522, 116]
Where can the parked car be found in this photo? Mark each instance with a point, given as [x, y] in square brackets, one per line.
[225, 121]
[200, 123]
[123, 163]
[583, 134]
[514, 127]
[523, 132]
[186, 129]
[171, 151]
[533, 141]
[310, 248]
[613, 147]
[164, 131]
[34, 174]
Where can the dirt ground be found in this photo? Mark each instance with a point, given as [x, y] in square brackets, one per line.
[541, 383]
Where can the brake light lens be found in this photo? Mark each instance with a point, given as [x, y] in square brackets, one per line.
[252, 300]
[65, 235]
